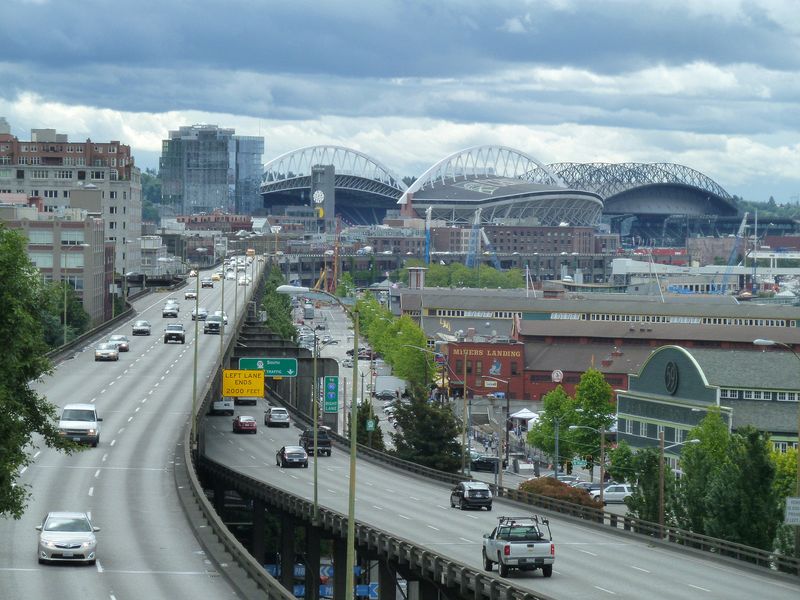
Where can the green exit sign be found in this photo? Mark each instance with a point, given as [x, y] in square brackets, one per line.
[272, 367]
[331, 398]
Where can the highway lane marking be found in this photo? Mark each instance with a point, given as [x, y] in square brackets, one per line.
[125, 371]
[130, 419]
[97, 474]
[121, 429]
[404, 517]
[138, 408]
[443, 507]
[605, 590]
[110, 383]
[377, 507]
[113, 442]
[118, 377]
[163, 377]
[105, 456]
[102, 468]
[472, 516]
[586, 552]
[38, 452]
[414, 499]
[166, 372]
[126, 572]
[102, 392]
[93, 399]
[22, 470]
[144, 400]
[466, 540]
[91, 491]
[639, 569]
[253, 457]
[697, 587]
[99, 566]
[432, 527]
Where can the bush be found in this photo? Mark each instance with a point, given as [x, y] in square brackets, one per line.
[558, 490]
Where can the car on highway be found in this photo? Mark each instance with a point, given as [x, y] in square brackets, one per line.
[120, 341]
[222, 406]
[213, 324]
[190, 295]
[347, 363]
[240, 400]
[216, 276]
[276, 416]
[80, 423]
[206, 282]
[199, 314]
[220, 313]
[324, 445]
[484, 462]
[471, 494]
[175, 332]
[171, 309]
[613, 493]
[192, 273]
[141, 328]
[291, 456]
[589, 486]
[67, 537]
[106, 351]
[244, 424]
[386, 395]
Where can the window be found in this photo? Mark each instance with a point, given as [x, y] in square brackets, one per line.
[98, 175]
[51, 193]
[629, 426]
[459, 365]
[479, 368]
[42, 260]
[748, 394]
[63, 174]
[39, 174]
[112, 209]
[642, 429]
[70, 237]
[513, 368]
[112, 195]
[469, 367]
[72, 260]
[6, 173]
[112, 225]
[40, 236]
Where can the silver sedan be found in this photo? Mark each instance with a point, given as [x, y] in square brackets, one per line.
[67, 536]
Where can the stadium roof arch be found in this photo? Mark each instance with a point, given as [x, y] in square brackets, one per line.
[648, 188]
[365, 187]
[507, 184]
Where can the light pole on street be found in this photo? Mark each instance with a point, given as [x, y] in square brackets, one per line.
[194, 374]
[661, 449]
[351, 503]
[763, 342]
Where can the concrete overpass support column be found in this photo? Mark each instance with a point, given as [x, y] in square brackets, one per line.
[259, 530]
[387, 581]
[312, 562]
[287, 551]
[339, 566]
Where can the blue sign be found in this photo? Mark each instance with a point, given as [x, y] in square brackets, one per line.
[326, 571]
[369, 590]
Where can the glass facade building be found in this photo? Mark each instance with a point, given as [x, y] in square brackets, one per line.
[206, 168]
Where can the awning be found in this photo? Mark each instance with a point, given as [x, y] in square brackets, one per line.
[525, 414]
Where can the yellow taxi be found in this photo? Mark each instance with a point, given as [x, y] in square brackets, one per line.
[216, 277]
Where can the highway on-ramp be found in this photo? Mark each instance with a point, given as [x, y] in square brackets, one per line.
[146, 548]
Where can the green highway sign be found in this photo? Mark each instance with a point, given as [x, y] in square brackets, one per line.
[370, 425]
[331, 402]
[272, 367]
[579, 463]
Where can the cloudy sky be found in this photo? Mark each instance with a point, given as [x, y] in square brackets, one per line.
[711, 84]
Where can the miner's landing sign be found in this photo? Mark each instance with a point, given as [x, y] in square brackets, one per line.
[272, 367]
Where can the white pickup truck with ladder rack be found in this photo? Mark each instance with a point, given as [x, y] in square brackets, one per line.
[520, 543]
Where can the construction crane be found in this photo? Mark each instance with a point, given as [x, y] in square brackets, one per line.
[474, 240]
[723, 288]
[490, 249]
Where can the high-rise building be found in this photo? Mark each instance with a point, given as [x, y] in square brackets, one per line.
[206, 168]
[54, 169]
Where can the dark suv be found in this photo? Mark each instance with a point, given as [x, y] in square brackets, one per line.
[213, 324]
[471, 494]
[323, 441]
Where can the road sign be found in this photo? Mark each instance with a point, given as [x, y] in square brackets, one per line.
[370, 590]
[242, 383]
[439, 358]
[557, 376]
[331, 403]
[272, 367]
[792, 511]
[579, 463]
[370, 425]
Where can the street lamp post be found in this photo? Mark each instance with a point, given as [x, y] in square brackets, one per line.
[661, 469]
[351, 503]
[194, 375]
[505, 426]
[763, 342]
[602, 433]
[315, 402]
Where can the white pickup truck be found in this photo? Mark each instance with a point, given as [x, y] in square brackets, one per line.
[520, 543]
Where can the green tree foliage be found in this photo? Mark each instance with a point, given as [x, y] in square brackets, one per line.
[346, 286]
[23, 412]
[785, 482]
[151, 195]
[364, 413]
[51, 314]
[620, 465]
[595, 410]
[278, 307]
[427, 435]
[644, 475]
[559, 408]
[742, 503]
[699, 463]
[458, 275]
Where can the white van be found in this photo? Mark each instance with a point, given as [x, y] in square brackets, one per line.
[222, 406]
[80, 423]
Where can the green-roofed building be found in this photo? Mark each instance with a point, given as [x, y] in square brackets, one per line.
[676, 386]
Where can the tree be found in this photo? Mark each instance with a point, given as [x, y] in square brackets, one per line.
[427, 435]
[595, 412]
[743, 506]
[51, 314]
[559, 413]
[278, 307]
[785, 481]
[23, 412]
[364, 413]
[346, 286]
[699, 463]
[644, 475]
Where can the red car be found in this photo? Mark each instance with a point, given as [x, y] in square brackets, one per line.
[242, 424]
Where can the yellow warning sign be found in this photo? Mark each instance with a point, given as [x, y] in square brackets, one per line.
[242, 383]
